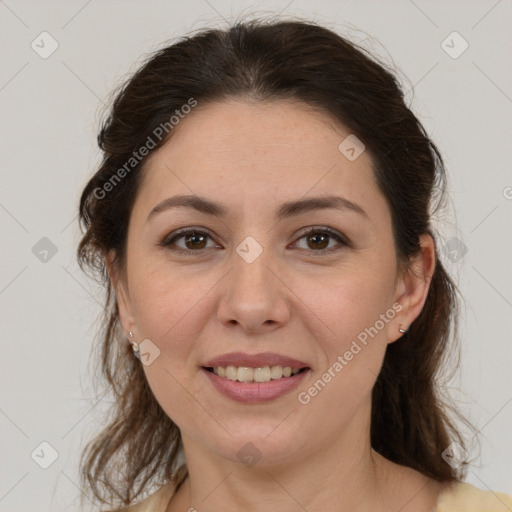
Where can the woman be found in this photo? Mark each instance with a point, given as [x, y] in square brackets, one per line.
[276, 311]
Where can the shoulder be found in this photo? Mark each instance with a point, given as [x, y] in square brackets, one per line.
[464, 497]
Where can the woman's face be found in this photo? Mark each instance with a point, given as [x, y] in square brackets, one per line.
[252, 281]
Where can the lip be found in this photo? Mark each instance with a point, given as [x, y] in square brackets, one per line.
[254, 360]
[255, 392]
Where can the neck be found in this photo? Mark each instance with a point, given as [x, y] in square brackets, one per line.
[345, 470]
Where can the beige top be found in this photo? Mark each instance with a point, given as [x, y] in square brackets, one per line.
[459, 497]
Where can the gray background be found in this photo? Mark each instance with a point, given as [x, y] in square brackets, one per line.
[50, 109]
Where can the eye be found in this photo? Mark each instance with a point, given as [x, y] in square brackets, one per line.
[194, 240]
[318, 239]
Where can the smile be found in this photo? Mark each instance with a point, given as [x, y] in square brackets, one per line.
[251, 391]
[249, 374]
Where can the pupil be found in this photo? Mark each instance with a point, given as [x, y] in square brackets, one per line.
[192, 239]
[316, 237]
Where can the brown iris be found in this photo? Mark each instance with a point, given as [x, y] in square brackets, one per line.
[198, 241]
[323, 239]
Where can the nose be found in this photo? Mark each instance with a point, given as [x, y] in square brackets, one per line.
[254, 297]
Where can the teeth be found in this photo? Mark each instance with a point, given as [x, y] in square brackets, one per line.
[248, 374]
[276, 372]
[262, 374]
[231, 372]
[245, 374]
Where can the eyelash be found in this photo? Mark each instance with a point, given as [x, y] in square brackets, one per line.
[171, 239]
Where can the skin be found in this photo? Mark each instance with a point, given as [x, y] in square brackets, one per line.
[293, 300]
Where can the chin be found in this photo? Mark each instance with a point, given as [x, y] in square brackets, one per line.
[262, 446]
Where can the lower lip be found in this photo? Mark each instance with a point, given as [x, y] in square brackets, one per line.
[255, 392]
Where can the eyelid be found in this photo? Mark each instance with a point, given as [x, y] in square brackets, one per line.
[342, 239]
[324, 229]
[168, 240]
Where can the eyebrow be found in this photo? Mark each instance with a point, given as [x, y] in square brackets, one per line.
[288, 209]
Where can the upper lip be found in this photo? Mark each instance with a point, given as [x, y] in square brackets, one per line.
[254, 360]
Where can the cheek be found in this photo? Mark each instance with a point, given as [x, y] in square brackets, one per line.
[349, 299]
[352, 334]
[352, 314]
[170, 310]
[170, 306]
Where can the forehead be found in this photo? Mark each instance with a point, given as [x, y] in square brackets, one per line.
[250, 153]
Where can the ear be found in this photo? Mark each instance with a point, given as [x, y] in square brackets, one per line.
[120, 286]
[413, 286]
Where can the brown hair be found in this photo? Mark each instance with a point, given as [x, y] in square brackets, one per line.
[271, 61]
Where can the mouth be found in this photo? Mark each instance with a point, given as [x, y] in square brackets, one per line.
[255, 378]
[255, 385]
[250, 374]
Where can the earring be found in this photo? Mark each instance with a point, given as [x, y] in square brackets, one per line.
[135, 346]
[402, 330]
